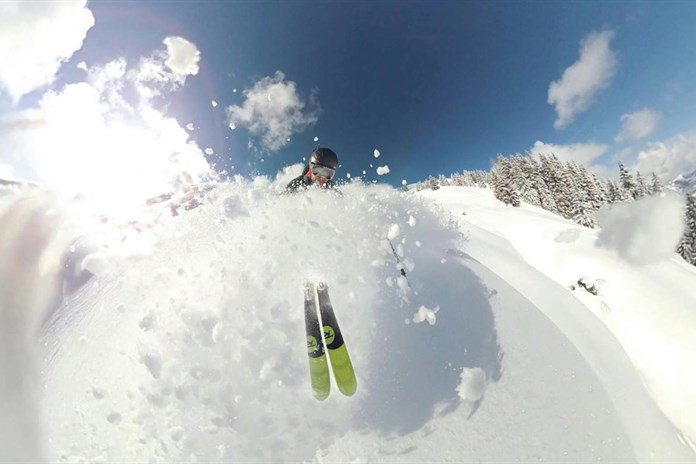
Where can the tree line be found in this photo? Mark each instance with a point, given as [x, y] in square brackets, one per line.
[565, 188]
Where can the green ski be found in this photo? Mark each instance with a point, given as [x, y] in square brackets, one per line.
[338, 353]
[318, 366]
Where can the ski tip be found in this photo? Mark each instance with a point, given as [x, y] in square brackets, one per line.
[308, 290]
[350, 389]
[322, 286]
[320, 395]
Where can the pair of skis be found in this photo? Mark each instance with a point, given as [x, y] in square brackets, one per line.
[324, 334]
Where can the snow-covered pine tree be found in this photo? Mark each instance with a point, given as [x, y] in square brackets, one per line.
[554, 175]
[551, 178]
[503, 188]
[442, 181]
[601, 190]
[537, 183]
[468, 179]
[571, 189]
[613, 191]
[641, 187]
[627, 186]
[655, 184]
[481, 179]
[687, 245]
[432, 183]
[593, 190]
[521, 180]
[583, 213]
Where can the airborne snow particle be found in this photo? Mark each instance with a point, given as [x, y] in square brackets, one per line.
[394, 231]
[382, 170]
[424, 314]
[209, 151]
[82, 65]
[233, 126]
[189, 126]
[214, 103]
[376, 153]
[411, 221]
[316, 139]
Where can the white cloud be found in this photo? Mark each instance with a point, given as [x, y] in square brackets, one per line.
[638, 125]
[581, 153]
[645, 231]
[35, 39]
[669, 158]
[272, 110]
[592, 72]
[182, 56]
[103, 139]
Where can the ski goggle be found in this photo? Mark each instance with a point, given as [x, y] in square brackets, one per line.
[322, 171]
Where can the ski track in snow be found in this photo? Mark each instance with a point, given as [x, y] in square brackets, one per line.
[190, 346]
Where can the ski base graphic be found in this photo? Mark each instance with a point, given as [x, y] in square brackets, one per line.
[323, 331]
[318, 365]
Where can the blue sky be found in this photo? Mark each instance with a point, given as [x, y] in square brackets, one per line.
[436, 87]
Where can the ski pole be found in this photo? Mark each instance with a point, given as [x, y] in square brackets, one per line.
[403, 271]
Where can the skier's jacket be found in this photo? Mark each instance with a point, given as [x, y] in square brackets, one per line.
[304, 181]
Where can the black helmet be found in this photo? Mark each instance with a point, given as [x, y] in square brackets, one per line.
[324, 157]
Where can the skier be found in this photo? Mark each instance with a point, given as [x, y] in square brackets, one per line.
[320, 171]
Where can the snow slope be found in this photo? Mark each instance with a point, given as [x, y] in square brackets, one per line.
[650, 306]
[188, 345]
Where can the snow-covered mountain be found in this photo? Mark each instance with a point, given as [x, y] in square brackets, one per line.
[685, 182]
[517, 336]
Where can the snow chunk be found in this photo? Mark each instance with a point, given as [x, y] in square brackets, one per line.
[394, 231]
[214, 103]
[645, 231]
[412, 221]
[382, 170]
[232, 126]
[97, 263]
[376, 153]
[189, 126]
[82, 65]
[209, 151]
[316, 139]
[424, 314]
[567, 236]
[472, 384]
